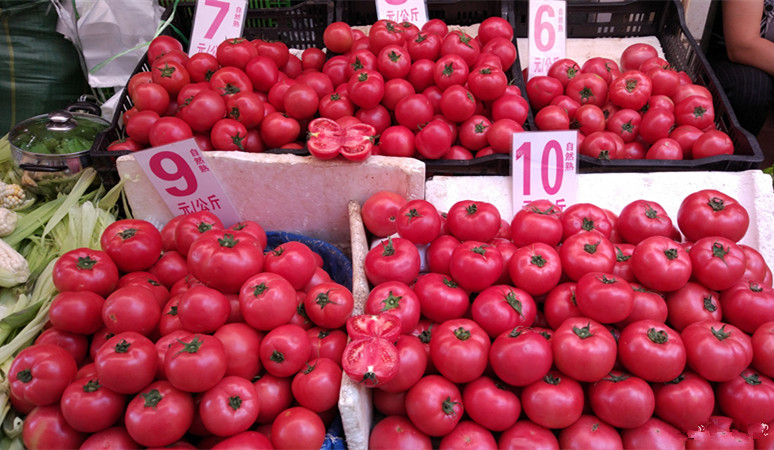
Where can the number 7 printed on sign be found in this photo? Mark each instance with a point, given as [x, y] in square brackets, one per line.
[543, 166]
[180, 174]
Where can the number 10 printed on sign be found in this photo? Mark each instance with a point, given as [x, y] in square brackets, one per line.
[543, 166]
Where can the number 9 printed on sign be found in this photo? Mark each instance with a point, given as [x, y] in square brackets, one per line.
[544, 167]
[180, 174]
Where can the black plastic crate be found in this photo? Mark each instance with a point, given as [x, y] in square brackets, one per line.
[666, 21]
[453, 12]
[300, 25]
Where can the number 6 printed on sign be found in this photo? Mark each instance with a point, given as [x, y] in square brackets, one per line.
[543, 166]
[547, 34]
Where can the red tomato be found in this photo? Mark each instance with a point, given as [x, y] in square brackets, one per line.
[536, 268]
[717, 351]
[656, 124]
[131, 308]
[85, 269]
[89, 407]
[747, 305]
[229, 81]
[542, 89]
[635, 54]
[641, 219]
[392, 260]
[555, 401]
[501, 308]
[229, 407]
[526, 434]
[46, 427]
[685, 402]
[763, 348]
[537, 221]
[196, 364]
[603, 297]
[585, 252]
[242, 344]
[434, 405]
[203, 110]
[552, 117]
[622, 400]
[712, 143]
[397, 432]
[202, 309]
[660, 263]
[564, 69]
[224, 260]
[651, 351]
[589, 431]
[473, 220]
[77, 312]
[278, 129]
[454, 300]
[475, 265]
[748, 398]
[40, 373]
[159, 415]
[625, 123]
[113, 437]
[512, 346]
[297, 427]
[717, 262]
[126, 362]
[338, 37]
[692, 303]
[696, 110]
[370, 361]
[583, 349]
[471, 433]
[151, 97]
[380, 210]
[413, 364]
[329, 304]
[418, 221]
[459, 349]
[631, 90]
[709, 212]
[587, 88]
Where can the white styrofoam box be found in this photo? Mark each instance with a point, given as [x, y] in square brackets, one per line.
[752, 188]
[285, 192]
[581, 50]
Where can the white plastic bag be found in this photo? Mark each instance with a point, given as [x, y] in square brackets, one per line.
[112, 35]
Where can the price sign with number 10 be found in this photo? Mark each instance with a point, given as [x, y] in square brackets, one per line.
[544, 167]
[547, 35]
[180, 174]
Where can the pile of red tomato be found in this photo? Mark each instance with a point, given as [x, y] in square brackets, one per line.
[581, 328]
[431, 92]
[192, 337]
[644, 109]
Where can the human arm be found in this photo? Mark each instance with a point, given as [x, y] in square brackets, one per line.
[741, 28]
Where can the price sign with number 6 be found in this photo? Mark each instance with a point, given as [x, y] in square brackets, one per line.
[544, 167]
[180, 174]
[547, 34]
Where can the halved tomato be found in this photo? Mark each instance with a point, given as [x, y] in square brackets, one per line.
[324, 141]
[370, 361]
[358, 141]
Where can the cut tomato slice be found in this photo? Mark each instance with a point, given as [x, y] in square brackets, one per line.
[371, 361]
[384, 325]
[325, 137]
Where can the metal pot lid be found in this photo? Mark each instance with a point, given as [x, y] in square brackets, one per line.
[57, 133]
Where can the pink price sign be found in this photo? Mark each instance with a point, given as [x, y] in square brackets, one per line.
[547, 34]
[180, 174]
[413, 11]
[214, 22]
[543, 166]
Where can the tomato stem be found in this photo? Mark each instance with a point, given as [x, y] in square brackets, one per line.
[514, 301]
[92, 386]
[471, 209]
[277, 356]
[551, 379]
[391, 302]
[25, 376]
[152, 398]
[127, 233]
[752, 379]
[583, 332]
[719, 251]
[462, 334]
[323, 299]
[538, 260]
[448, 407]
[587, 224]
[123, 346]
[191, 347]
[709, 305]
[86, 262]
[228, 240]
[720, 334]
[658, 336]
[716, 204]
[235, 402]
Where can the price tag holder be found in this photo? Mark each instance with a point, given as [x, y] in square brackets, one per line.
[414, 11]
[547, 34]
[185, 182]
[544, 167]
[214, 22]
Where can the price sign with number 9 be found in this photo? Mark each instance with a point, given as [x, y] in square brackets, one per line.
[160, 164]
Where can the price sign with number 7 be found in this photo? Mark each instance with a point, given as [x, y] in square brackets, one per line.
[184, 180]
[544, 167]
[547, 34]
[214, 22]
